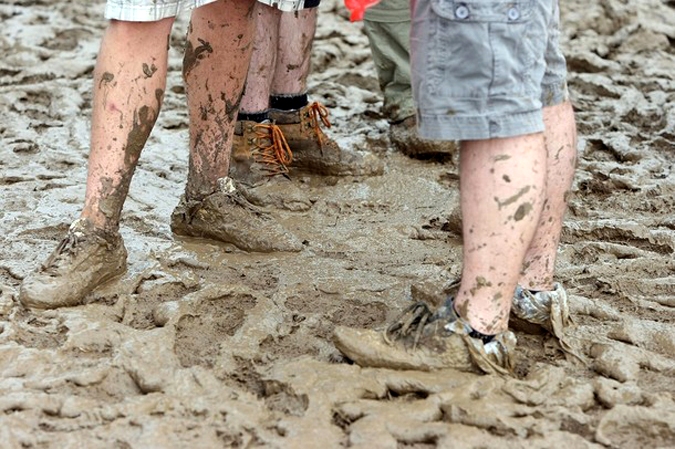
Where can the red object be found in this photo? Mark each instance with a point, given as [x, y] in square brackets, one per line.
[358, 8]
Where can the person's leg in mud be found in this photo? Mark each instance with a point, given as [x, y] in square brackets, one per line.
[128, 93]
[129, 83]
[276, 116]
[511, 214]
[218, 51]
[387, 26]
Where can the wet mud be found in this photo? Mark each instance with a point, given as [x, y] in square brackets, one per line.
[202, 345]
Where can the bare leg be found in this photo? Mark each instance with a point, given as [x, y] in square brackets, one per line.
[261, 71]
[292, 68]
[129, 83]
[221, 32]
[561, 142]
[502, 186]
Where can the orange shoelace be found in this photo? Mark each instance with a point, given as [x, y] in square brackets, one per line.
[318, 112]
[277, 156]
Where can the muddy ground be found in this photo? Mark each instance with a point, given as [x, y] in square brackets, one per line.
[201, 345]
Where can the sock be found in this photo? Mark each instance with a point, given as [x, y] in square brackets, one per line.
[473, 333]
[479, 335]
[288, 102]
[257, 117]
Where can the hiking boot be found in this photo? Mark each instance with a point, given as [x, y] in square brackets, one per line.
[405, 138]
[314, 151]
[227, 216]
[423, 340]
[259, 151]
[85, 259]
[548, 310]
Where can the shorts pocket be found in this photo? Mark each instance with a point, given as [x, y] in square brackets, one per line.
[478, 48]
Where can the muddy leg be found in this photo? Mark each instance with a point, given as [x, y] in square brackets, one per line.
[502, 185]
[261, 71]
[296, 31]
[561, 147]
[129, 83]
[222, 33]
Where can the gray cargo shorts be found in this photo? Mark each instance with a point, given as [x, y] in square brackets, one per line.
[483, 69]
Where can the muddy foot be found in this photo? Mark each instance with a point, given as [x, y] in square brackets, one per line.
[85, 259]
[227, 216]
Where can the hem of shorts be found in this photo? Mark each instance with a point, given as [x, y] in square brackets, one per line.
[387, 16]
[555, 93]
[148, 13]
[435, 127]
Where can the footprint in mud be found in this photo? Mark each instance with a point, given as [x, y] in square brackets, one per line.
[311, 322]
[633, 426]
[37, 332]
[201, 331]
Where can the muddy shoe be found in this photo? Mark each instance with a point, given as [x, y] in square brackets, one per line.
[548, 310]
[422, 340]
[259, 152]
[314, 151]
[404, 138]
[227, 216]
[85, 259]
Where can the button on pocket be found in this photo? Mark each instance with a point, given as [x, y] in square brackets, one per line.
[505, 11]
[461, 12]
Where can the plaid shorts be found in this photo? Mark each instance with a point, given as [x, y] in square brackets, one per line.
[149, 10]
[153, 10]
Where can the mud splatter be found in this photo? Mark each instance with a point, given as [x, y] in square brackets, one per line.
[149, 70]
[193, 55]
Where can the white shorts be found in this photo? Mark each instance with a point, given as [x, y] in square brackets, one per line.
[149, 10]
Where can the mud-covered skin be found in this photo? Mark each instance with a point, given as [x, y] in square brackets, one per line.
[110, 185]
[85, 258]
[215, 90]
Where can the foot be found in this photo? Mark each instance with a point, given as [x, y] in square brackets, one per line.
[227, 216]
[404, 138]
[549, 310]
[422, 340]
[314, 151]
[85, 259]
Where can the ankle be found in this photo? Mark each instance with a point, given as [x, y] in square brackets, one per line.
[472, 332]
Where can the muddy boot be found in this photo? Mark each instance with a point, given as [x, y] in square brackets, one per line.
[404, 138]
[259, 152]
[259, 164]
[314, 151]
[420, 339]
[85, 258]
[227, 216]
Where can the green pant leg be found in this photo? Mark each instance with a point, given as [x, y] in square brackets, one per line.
[387, 26]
